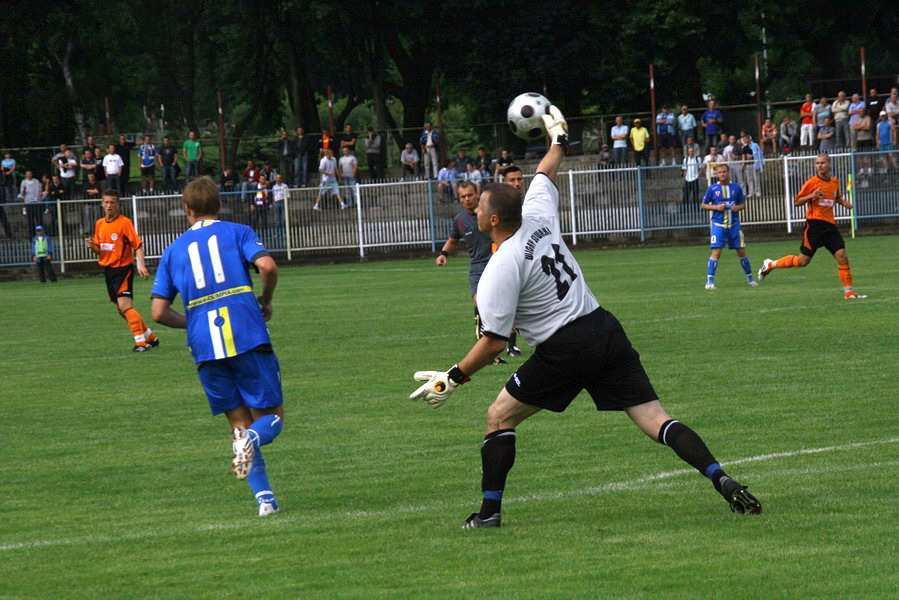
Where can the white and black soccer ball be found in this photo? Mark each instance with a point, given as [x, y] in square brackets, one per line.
[524, 115]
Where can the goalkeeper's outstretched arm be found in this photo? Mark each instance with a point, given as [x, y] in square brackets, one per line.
[557, 130]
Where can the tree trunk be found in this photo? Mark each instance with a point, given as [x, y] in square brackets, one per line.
[416, 66]
[77, 110]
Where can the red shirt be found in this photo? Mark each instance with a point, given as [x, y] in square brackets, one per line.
[807, 107]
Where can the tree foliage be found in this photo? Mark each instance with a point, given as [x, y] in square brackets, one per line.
[273, 60]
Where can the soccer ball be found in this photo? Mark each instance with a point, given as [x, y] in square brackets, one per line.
[524, 115]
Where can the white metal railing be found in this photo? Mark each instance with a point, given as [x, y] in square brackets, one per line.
[623, 202]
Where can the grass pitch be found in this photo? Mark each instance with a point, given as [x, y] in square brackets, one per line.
[115, 478]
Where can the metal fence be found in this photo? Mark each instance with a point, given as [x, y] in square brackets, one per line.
[629, 203]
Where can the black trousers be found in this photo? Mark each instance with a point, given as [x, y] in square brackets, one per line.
[45, 269]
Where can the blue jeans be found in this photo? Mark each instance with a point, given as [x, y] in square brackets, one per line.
[168, 179]
[192, 169]
[279, 218]
[300, 170]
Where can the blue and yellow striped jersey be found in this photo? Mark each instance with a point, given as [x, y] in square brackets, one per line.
[730, 194]
[209, 267]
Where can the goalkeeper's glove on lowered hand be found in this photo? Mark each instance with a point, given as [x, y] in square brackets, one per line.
[439, 385]
[556, 126]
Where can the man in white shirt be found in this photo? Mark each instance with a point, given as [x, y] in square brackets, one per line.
[112, 166]
[619, 142]
[279, 196]
[534, 284]
[327, 168]
[67, 165]
[30, 194]
[348, 167]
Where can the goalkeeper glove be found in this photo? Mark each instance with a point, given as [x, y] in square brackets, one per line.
[439, 385]
[556, 126]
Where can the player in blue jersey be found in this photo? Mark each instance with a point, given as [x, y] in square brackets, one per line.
[724, 200]
[226, 332]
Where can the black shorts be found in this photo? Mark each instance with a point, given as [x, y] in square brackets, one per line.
[591, 353]
[820, 233]
[119, 282]
[666, 140]
[148, 171]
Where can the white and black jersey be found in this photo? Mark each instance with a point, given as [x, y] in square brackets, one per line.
[532, 282]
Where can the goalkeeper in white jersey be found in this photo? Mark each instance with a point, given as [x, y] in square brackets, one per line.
[534, 284]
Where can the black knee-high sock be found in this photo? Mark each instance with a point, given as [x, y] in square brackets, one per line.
[513, 338]
[497, 458]
[692, 450]
[478, 327]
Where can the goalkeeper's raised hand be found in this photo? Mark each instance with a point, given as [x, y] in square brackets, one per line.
[439, 385]
[556, 126]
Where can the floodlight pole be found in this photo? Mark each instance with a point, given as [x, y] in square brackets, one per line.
[864, 75]
[222, 158]
[440, 135]
[652, 113]
[108, 120]
[758, 100]
[330, 112]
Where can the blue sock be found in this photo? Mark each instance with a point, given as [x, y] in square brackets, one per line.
[747, 268]
[265, 429]
[713, 266]
[258, 480]
[711, 469]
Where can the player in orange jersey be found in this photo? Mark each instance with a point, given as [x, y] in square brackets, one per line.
[116, 242]
[819, 194]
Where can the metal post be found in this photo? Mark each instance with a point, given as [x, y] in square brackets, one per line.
[222, 157]
[331, 114]
[134, 214]
[62, 264]
[864, 77]
[652, 113]
[108, 120]
[571, 202]
[788, 199]
[431, 215]
[853, 177]
[758, 100]
[287, 225]
[357, 191]
[640, 200]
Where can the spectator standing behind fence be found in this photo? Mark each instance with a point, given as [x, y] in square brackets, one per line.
[327, 167]
[168, 160]
[686, 127]
[712, 120]
[250, 179]
[6, 195]
[769, 136]
[146, 159]
[123, 149]
[303, 147]
[446, 181]
[856, 111]
[192, 151]
[374, 150]
[229, 185]
[710, 164]
[639, 136]
[429, 142]
[284, 150]
[56, 158]
[689, 142]
[787, 134]
[88, 166]
[821, 112]
[462, 160]
[691, 167]
[483, 163]
[259, 205]
[874, 105]
[348, 167]
[753, 163]
[348, 139]
[619, 135]
[279, 197]
[807, 123]
[112, 166]
[864, 141]
[733, 154]
[886, 139]
[90, 211]
[42, 254]
[473, 175]
[8, 178]
[268, 172]
[503, 164]
[30, 192]
[840, 110]
[409, 161]
[67, 172]
[891, 106]
[665, 130]
[325, 142]
[826, 135]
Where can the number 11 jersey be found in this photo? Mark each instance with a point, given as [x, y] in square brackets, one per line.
[209, 266]
[532, 282]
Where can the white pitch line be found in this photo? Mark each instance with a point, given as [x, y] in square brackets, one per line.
[593, 491]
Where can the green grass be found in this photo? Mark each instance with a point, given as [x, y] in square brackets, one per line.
[115, 478]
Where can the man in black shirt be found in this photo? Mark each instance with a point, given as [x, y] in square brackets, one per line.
[348, 139]
[123, 149]
[168, 159]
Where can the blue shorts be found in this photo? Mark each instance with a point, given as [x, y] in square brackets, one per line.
[732, 236]
[886, 148]
[251, 379]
